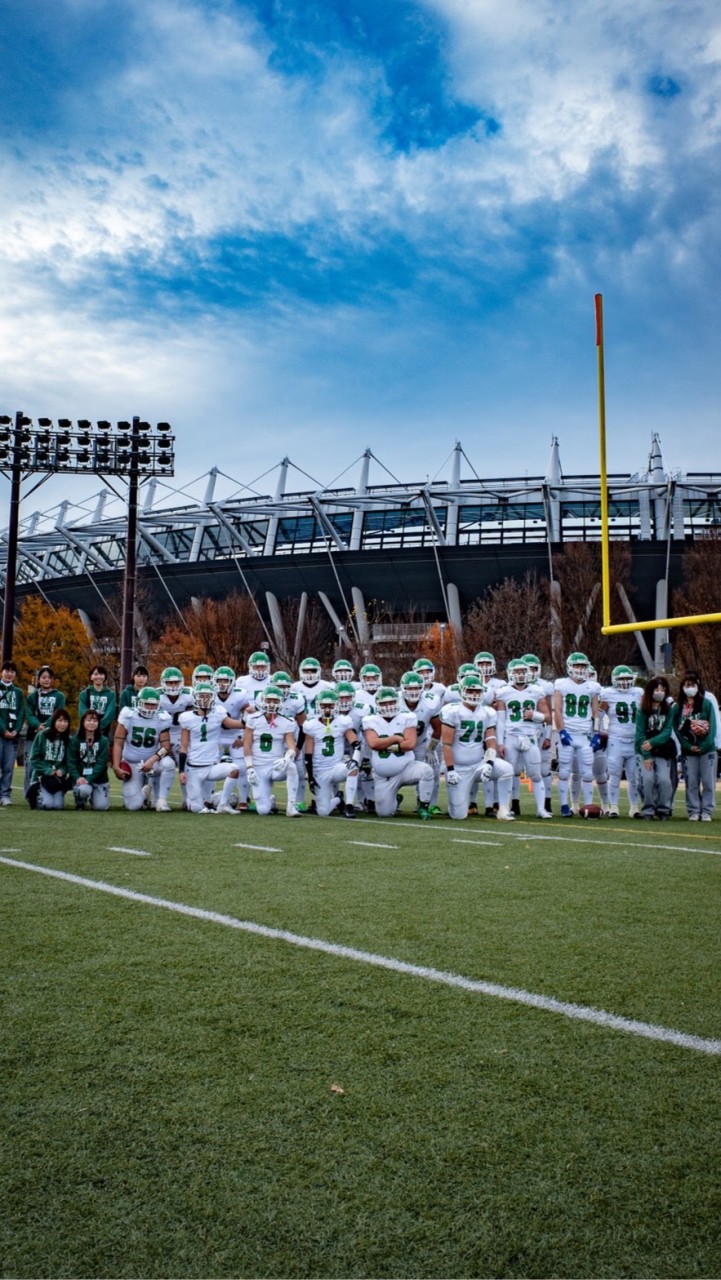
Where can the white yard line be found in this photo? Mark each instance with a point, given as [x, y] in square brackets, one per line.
[260, 848]
[578, 1012]
[494, 844]
[367, 844]
[521, 834]
[120, 848]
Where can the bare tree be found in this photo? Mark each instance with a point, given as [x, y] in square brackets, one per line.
[511, 619]
[577, 571]
[698, 647]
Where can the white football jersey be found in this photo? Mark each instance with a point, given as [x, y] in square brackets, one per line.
[143, 733]
[268, 738]
[204, 729]
[254, 688]
[387, 763]
[174, 707]
[623, 705]
[309, 693]
[232, 706]
[427, 706]
[329, 740]
[469, 725]
[515, 702]
[577, 703]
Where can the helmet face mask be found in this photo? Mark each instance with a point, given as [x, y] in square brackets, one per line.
[534, 666]
[328, 705]
[342, 671]
[371, 677]
[203, 696]
[472, 690]
[309, 670]
[517, 673]
[272, 698]
[577, 667]
[224, 679]
[387, 703]
[412, 687]
[426, 670]
[259, 665]
[623, 679]
[171, 681]
[485, 663]
[346, 696]
[148, 703]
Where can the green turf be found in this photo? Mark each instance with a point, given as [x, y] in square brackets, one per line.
[167, 1100]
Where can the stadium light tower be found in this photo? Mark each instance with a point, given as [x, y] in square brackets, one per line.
[134, 451]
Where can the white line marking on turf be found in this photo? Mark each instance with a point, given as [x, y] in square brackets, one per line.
[579, 1012]
[528, 835]
[367, 844]
[496, 844]
[137, 853]
[261, 848]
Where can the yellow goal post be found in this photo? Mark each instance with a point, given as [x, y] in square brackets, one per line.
[608, 628]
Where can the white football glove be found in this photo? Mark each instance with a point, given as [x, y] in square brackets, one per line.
[524, 743]
[452, 778]
[289, 757]
[485, 772]
[252, 775]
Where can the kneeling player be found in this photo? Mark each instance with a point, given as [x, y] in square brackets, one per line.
[329, 736]
[142, 741]
[391, 737]
[468, 738]
[199, 748]
[269, 748]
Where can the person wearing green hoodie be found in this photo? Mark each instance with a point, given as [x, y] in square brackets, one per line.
[695, 728]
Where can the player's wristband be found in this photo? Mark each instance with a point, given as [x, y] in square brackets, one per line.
[538, 717]
[161, 753]
[182, 761]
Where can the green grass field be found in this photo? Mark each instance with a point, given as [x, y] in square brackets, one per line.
[185, 1098]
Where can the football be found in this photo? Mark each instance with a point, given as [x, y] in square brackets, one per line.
[591, 811]
[125, 769]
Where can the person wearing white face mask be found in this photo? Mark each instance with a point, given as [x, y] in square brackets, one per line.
[695, 728]
[655, 751]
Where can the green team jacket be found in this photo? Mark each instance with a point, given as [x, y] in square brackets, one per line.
[39, 708]
[47, 755]
[88, 760]
[686, 736]
[12, 708]
[104, 703]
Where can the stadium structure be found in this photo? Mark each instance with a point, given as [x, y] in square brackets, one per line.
[432, 546]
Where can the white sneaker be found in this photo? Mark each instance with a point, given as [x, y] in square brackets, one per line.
[693, 817]
[225, 808]
[705, 817]
[633, 810]
[208, 812]
[293, 812]
[612, 812]
[504, 815]
[162, 807]
[544, 814]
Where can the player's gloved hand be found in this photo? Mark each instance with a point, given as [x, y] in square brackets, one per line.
[566, 738]
[252, 776]
[485, 772]
[596, 742]
[524, 743]
[452, 778]
[313, 785]
[289, 757]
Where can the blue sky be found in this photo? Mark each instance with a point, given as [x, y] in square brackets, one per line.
[305, 227]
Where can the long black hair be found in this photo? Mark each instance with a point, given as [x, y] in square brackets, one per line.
[648, 706]
[60, 713]
[697, 701]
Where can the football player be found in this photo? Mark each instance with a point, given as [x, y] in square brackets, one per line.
[200, 767]
[545, 735]
[620, 702]
[175, 698]
[258, 677]
[142, 740]
[425, 702]
[390, 736]
[576, 712]
[270, 751]
[332, 754]
[468, 739]
[522, 711]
